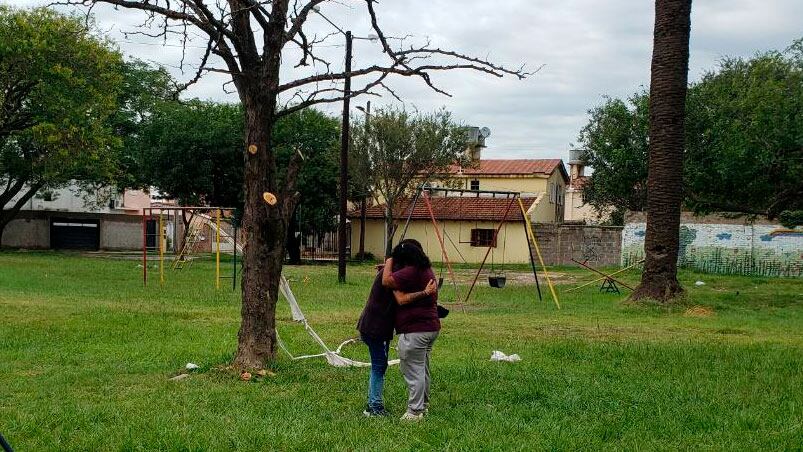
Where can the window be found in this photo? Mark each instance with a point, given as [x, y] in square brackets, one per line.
[483, 237]
[475, 185]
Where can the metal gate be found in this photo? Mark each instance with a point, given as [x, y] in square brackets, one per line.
[74, 234]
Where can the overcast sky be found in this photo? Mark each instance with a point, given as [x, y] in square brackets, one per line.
[588, 48]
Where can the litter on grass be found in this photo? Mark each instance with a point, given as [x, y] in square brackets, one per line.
[499, 356]
[699, 283]
[191, 366]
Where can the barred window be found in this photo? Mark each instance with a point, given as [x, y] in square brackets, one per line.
[483, 237]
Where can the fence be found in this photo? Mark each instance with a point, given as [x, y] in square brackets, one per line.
[716, 244]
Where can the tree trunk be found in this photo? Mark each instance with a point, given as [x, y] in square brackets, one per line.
[670, 62]
[6, 215]
[265, 226]
[388, 228]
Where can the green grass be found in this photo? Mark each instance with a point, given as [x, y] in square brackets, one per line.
[86, 353]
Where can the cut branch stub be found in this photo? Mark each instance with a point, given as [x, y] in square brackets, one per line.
[252, 149]
[269, 198]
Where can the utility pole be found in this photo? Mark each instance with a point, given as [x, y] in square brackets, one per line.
[364, 195]
[344, 168]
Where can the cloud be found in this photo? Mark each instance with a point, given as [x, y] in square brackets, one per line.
[588, 48]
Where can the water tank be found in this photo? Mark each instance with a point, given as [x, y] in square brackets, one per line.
[576, 157]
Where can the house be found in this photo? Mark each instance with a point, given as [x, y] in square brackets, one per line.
[467, 225]
[545, 180]
[69, 218]
[474, 212]
[577, 211]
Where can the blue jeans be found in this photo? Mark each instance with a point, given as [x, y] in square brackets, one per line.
[378, 348]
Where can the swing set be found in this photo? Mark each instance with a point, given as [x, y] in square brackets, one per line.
[496, 278]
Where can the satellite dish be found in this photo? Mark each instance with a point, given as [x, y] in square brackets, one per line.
[485, 132]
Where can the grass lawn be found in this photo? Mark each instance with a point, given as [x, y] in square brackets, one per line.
[86, 353]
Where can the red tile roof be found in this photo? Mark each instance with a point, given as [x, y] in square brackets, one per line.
[511, 167]
[453, 208]
[579, 182]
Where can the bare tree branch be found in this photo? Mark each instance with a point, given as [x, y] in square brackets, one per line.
[300, 19]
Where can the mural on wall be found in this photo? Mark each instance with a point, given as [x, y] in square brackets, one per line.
[767, 250]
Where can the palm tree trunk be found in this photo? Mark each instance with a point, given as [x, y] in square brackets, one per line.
[668, 81]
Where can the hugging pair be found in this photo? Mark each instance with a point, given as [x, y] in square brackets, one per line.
[403, 297]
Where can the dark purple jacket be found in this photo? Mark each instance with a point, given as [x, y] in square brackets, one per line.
[377, 317]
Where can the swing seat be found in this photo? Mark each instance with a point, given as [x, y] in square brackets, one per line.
[497, 281]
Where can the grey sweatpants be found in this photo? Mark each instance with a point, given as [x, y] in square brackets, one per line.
[414, 350]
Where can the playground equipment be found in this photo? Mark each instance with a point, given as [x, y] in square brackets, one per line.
[167, 228]
[609, 283]
[496, 279]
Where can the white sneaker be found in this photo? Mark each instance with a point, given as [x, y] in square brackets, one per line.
[408, 416]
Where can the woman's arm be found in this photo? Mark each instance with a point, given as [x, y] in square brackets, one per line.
[387, 274]
[403, 298]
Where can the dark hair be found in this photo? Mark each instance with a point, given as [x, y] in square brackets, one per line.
[410, 252]
[412, 242]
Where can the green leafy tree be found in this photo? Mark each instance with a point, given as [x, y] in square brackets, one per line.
[191, 151]
[616, 146]
[398, 148]
[743, 145]
[145, 88]
[58, 88]
[315, 136]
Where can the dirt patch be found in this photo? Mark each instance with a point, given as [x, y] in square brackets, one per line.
[699, 311]
[514, 278]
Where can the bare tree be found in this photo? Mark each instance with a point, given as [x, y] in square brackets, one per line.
[248, 37]
[399, 149]
[669, 77]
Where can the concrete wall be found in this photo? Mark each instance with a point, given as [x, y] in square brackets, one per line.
[726, 245]
[30, 233]
[31, 229]
[596, 245]
[116, 234]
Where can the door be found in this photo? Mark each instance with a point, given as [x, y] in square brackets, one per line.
[74, 234]
[151, 234]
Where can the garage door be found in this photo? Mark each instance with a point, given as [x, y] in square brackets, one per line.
[71, 234]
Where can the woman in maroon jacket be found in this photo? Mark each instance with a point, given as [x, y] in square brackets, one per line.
[376, 331]
[416, 320]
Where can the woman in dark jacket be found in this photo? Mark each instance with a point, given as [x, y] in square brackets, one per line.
[376, 331]
[416, 320]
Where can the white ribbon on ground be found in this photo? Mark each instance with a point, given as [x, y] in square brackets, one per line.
[332, 357]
